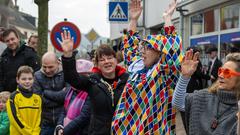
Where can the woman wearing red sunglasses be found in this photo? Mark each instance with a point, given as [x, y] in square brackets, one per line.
[210, 111]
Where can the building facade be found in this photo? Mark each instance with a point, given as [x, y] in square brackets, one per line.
[211, 23]
[11, 17]
[201, 23]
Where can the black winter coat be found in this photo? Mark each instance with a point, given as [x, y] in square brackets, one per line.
[9, 65]
[101, 101]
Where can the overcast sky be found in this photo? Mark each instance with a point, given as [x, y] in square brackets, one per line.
[86, 14]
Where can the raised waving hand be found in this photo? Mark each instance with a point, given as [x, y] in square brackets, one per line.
[189, 63]
[135, 11]
[66, 43]
[167, 15]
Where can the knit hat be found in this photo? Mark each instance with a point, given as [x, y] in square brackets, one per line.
[84, 66]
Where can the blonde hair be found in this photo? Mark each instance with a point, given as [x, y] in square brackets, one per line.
[233, 57]
[4, 95]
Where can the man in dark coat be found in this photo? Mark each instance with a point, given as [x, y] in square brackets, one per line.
[15, 55]
[48, 81]
[214, 64]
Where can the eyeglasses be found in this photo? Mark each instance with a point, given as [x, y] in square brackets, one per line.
[227, 73]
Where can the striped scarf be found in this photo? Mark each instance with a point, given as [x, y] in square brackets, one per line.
[73, 104]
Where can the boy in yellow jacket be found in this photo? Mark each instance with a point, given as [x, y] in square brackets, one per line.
[24, 106]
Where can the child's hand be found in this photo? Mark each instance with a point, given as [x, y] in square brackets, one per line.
[60, 132]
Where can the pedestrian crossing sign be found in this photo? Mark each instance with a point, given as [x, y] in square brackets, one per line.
[118, 11]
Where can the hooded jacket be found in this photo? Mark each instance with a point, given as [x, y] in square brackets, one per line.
[48, 87]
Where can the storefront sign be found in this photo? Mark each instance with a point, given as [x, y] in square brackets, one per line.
[230, 37]
[205, 40]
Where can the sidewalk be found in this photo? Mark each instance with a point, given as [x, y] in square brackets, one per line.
[179, 125]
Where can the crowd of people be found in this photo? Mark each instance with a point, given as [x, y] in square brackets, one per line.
[135, 91]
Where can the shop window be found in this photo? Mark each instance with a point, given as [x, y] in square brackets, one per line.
[211, 21]
[227, 48]
[229, 43]
[204, 43]
[230, 17]
[196, 24]
[204, 57]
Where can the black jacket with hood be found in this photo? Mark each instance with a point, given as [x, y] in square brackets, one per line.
[101, 101]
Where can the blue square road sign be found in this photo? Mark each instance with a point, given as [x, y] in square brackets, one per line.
[118, 11]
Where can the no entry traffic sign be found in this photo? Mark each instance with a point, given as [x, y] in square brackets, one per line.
[59, 28]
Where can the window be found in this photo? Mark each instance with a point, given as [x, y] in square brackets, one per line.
[211, 21]
[230, 42]
[196, 24]
[230, 17]
[177, 28]
[204, 43]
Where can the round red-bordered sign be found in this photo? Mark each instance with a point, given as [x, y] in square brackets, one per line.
[59, 28]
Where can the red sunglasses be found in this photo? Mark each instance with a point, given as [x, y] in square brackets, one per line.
[227, 73]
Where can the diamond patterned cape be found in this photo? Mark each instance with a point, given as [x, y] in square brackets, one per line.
[145, 105]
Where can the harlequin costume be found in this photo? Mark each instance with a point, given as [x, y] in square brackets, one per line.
[145, 105]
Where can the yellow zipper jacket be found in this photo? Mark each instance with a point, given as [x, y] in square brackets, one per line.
[24, 112]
